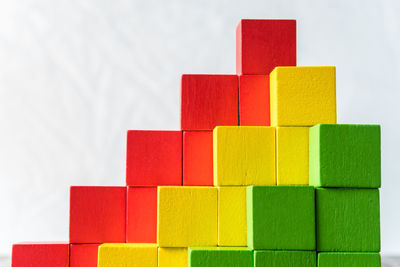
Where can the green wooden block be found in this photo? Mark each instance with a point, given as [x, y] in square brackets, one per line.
[347, 220]
[345, 259]
[282, 258]
[345, 156]
[281, 217]
[220, 257]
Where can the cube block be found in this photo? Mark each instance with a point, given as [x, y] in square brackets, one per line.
[127, 255]
[83, 255]
[345, 156]
[187, 216]
[97, 214]
[254, 100]
[220, 257]
[303, 96]
[141, 224]
[261, 45]
[40, 254]
[348, 220]
[154, 158]
[198, 158]
[208, 101]
[285, 258]
[232, 224]
[292, 155]
[244, 155]
[281, 217]
[172, 257]
[346, 259]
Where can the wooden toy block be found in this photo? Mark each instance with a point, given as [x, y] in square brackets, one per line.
[254, 100]
[83, 255]
[197, 158]
[292, 155]
[187, 216]
[244, 155]
[232, 224]
[281, 217]
[154, 158]
[347, 220]
[261, 45]
[172, 257]
[40, 254]
[303, 96]
[345, 156]
[97, 214]
[141, 215]
[345, 259]
[127, 255]
[285, 258]
[208, 101]
[220, 257]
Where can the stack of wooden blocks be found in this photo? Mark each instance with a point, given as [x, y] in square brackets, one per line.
[288, 187]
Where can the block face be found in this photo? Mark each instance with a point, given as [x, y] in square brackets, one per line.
[128, 255]
[343, 259]
[244, 155]
[187, 216]
[280, 217]
[40, 254]
[254, 100]
[303, 96]
[172, 257]
[208, 101]
[97, 214]
[345, 156]
[220, 257]
[261, 45]
[198, 158]
[141, 215]
[154, 158]
[285, 258]
[348, 220]
[232, 218]
[83, 255]
[292, 155]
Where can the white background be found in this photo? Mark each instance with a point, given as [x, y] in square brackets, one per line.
[76, 74]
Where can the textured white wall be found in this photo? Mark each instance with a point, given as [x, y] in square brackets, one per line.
[76, 74]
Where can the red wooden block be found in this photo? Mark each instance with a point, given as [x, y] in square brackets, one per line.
[198, 158]
[254, 100]
[142, 215]
[261, 45]
[208, 101]
[83, 255]
[97, 214]
[40, 254]
[154, 158]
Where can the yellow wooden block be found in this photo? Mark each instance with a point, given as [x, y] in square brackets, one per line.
[244, 155]
[232, 225]
[187, 216]
[127, 255]
[172, 257]
[292, 155]
[303, 96]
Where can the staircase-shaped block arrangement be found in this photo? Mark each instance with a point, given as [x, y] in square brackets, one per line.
[260, 174]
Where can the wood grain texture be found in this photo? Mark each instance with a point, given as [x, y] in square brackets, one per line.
[282, 258]
[303, 96]
[280, 217]
[208, 101]
[261, 45]
[244, 155]
[348, 220]
[345, 156]
[187, 216]
[346, 259]
[254, 100]
[172, 257]
[97, 214]
[127, 255]
[83, 255]
[40, 254]
[154, 158]
[220, 257]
